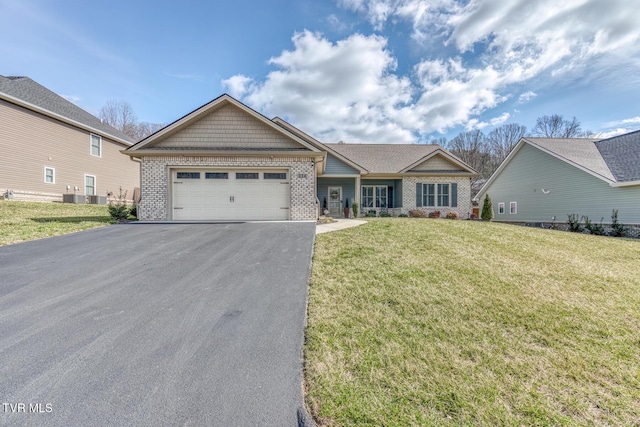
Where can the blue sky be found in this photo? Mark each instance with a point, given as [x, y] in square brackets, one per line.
[359, 71]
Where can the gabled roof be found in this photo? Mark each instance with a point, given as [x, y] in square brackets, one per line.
[622, 155]
[318, 144]
[397, 158]
[27, 93]
[147, 145]
[614, 160]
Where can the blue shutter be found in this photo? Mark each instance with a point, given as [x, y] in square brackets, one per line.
[419, 194]
[454, 195]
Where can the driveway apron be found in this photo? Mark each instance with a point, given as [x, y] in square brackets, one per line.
[155, 324]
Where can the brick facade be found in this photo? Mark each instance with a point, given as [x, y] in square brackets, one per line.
[464, 194]
[155, 188]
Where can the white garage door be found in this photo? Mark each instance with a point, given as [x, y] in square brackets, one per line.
[215, 194]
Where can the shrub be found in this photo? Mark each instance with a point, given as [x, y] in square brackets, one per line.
[453, 215]
[371, 214]
[473, 216]
[487, 209]
[417, 213]
[403, 216]
[595, 229]
[573, 223]
[355, 209]
[134, 211]
[617, 229]
[434, 214]
[384, 214]
[118, 208]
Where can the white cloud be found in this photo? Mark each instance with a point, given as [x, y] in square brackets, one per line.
[335, 91]
[526, 97]
[633, 120]
[71, 98]
[614, 132]
[479, 51]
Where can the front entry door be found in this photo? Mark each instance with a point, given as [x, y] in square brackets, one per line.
[335, 201]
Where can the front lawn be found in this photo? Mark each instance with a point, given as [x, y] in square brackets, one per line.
[22, 221]
[439, 322]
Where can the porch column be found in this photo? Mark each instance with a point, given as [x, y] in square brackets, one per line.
[358, 193]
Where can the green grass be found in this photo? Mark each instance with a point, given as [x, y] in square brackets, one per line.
[439, 322]
[23, 221]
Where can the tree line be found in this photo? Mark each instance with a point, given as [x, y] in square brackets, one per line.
[485, 152]
[120, 115]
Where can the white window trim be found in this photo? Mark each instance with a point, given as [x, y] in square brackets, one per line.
[386, 191]
[95, 185]
[91, 135]
[501, 208]
[513, 208]
[45, 175]
[436, 195]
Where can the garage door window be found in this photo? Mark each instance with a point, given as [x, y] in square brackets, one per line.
[216, 175]
[188, 175]
[270, 175]
[247, 175]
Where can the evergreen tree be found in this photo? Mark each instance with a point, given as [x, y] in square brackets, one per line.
[487, 209]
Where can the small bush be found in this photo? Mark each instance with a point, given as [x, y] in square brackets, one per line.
[355, 209]
[473, 216]
[617, 229]
[384, 214]
[573, 223]
[118, 208]
[134, 211]
[453, 215]
[434, 214]
[403, 216]
[595, 229]
[371, 214]
[417, 213]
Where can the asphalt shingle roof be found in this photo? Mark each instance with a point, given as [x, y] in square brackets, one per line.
[622, 155]
[29, 91]
[580, 151]
[384, 158]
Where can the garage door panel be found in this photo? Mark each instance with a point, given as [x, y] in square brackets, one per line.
[231, 195]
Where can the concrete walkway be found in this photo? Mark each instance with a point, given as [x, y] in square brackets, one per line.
[340, 224]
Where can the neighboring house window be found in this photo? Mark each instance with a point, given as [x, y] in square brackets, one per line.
[374, 196]
[513, 207]
[96, 145]
[49, 175]
[442, 195]
[501, 207]
[89, 185]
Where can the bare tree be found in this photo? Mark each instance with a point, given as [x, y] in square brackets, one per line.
[555, 126]
[471, 147]
[501, 141]
[119, 114]
[144, 129]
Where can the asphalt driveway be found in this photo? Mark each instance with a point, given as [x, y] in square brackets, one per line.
[179, 324]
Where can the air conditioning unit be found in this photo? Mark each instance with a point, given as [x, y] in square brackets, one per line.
[74, 198]
[97, 200]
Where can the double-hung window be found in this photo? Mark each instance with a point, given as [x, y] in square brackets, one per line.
[513, 207]
[375, 196]
[49, 175]
[430, 195]
[443, 194]
[89, 185]
[96, 145]
[501, 207]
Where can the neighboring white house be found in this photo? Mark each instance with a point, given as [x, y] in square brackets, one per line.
[544, 180]
[225, 161]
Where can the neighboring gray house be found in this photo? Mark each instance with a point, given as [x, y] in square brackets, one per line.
[49, 147]
[544, 179]
[225, 161]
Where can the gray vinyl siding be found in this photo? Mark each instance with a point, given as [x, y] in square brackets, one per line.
[348, 189]
[571, 190]
[338, 167]
[30, 141]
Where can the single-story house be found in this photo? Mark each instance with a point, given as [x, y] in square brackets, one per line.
[544, 180]
[225, 161]
[50, 147]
